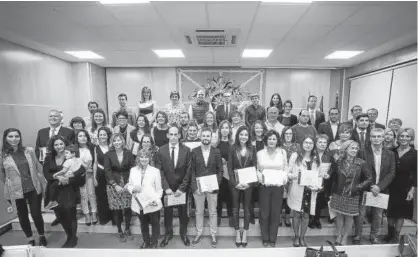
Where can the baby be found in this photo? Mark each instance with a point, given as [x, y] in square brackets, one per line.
[71, 165]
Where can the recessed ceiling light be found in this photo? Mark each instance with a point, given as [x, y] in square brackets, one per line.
[256, 53]
[343, 54]
[118, 2]
[85, 54]
[169, 53]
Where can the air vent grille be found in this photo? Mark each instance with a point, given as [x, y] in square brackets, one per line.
[218, 40]
[212, 37]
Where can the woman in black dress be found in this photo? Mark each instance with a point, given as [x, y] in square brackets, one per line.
[224, 195]
[104, 213]
[288, 119]
[159, 132]
[118, 162]
[66, 211]
[242, 155]
[403, 186]
[276, 101]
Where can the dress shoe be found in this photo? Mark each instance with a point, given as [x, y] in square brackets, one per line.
[55, 222]
[356, 241]
[296, 242]
[375, 241]
[311, 224]
[153, 246]
[72, 243]
[244, 241]
[42, 241]
[166, 240]
[129, 235]
[265, 243]
[318, 224]
[144, 245]
[337, 244]
[302, 242]
[196, 240]
[31, 242]
[330, 221]
[273, 244]
[287, 223]
[214, 242]
[185, 240]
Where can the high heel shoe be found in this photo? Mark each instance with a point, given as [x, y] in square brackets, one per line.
[302, 242]
[88, 219]
[244, 242]
[296, 242]
[94, 218]
[238, 239]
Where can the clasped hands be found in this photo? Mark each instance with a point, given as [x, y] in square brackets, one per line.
[176, 194]
[375, 190]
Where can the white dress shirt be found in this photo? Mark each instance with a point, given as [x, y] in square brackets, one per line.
[312, 113]
[377, 164]
[176, 153]
[57, 129]
[206, 155]
[278, 127]
[334, 128]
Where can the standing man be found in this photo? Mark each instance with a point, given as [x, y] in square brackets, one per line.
[381, 162]
[361, 134]
[303, 129]
[198, 110]
[330, 128]
[355, 110]
[254, 111]
[93, 106]
[373, 113]
[206, 160]
[42, 139]
[173, 160]
[223, 111]
[123, 103]
[316, 117]
[272, 122]
[184, 123]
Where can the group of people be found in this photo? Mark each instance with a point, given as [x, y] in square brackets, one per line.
[145, 160]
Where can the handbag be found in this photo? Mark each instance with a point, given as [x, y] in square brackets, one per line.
[312, 252]
[411, 240]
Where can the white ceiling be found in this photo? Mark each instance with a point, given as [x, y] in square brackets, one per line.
[301, 35]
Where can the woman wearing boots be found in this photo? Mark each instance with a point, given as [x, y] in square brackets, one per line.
[403, 186]
[242, 155]
[302, 199]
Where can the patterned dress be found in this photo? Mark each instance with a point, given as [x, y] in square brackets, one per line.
[173, 112]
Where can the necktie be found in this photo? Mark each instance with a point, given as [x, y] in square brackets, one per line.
[172, 157]
[226, 111]
[362, 139]
[312, 118]
[52, 132]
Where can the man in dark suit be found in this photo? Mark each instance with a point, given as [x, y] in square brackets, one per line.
[330, 128]
[381, 162]
[316, 117]
[206, 161]
[173, 160]
[361, 134]
[55, 128]
[42, 139]
[223, 111]
[373, 113]
[355, 110]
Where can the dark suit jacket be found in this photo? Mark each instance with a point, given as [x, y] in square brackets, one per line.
[116, 171]
[235, 162]
[356, 137]
[387, 168]
[319, 118]
[293, 120]
[174, 177]
[43, 137]
[376, 125]
[199, 168]
[325, 128]
[350, 122]
[221, 115]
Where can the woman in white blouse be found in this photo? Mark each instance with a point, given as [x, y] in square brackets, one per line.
[145, 186]
[271, 159]
[302, 199]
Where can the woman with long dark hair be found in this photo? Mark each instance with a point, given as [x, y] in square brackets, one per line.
[104, 213]
[87, 191]
[66, 211]
[241, 155]
[276, 101]
[99, 120]
[302, 199]
[24, 183]
[147, 143]
[142, 127]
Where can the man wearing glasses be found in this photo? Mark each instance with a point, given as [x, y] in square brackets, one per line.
[303, 129]
[124, 128]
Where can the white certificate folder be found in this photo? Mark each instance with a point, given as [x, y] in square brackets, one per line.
[379, 201]
[207, 183]
[273, 177]
[310, 178]
[246, 175]
[171, 200]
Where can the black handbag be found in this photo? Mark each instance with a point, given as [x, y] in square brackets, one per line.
[311, 252]
[411, 240]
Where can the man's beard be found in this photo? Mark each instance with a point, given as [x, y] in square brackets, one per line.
[206, 142]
